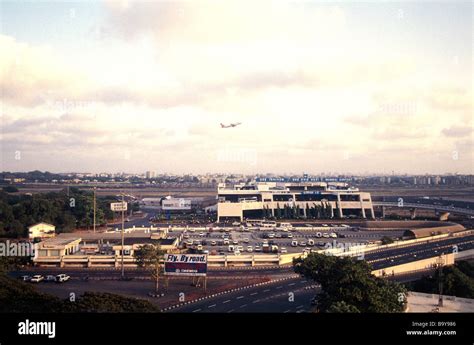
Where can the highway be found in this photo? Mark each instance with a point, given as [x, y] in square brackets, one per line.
[291, 295]
[443, 208]
[383, 258]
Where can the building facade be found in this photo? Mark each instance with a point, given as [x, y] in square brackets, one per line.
[292, 200]
[41, 230]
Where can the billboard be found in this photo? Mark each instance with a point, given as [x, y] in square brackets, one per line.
[186, 264]
[176, 204]
[118, 206]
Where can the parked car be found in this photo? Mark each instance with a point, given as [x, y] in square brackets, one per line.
[61, 278]
[294, 243]
[318, 234]
[25, 278]
[249, 249]
[37, 278]
[283, 250]
[303, 244]
[258, 249]
[50, 278]
[246, 240]
[213, 243]
[290, 235]
[333, 235]
[326, 235]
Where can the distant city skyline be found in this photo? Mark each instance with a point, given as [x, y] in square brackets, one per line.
[138, 86]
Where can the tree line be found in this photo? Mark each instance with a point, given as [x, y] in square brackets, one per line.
[316, 211]
[67, 210]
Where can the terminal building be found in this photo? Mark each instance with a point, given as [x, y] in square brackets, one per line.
[289, 199]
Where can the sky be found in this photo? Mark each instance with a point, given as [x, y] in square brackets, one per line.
[341, 87]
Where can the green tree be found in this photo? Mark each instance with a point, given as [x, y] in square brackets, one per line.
[387, 240]
[150, 257]
[347, 284]
[10, 189]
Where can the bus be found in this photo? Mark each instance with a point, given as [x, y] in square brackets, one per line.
[261, 223]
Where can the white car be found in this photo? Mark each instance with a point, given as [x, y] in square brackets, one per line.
[294, 243]
[201, 234]
[226, 241]
[333, 235]
[213, 243]
[258, 249]
[186, 236]
[246, 240]
[290, 236]
[240, 248]
[283, 250]
[318, 234]
[303, 244]
[237, 252]
[61, 278]
[249, 249]
[37, 278]
[326, 235]
[271, 235]
[235, 242]
[25, 278]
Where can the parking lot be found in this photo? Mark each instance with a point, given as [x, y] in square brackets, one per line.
[232, 240]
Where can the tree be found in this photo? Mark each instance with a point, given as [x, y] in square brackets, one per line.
[150, 257]
[10, 189]
[387, 240]
[348, 285]
[278, 213]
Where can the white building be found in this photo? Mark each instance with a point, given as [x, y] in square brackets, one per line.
[150, 174]
[41, 230]
[309, 199]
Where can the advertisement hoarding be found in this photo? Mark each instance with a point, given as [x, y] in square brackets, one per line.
[176, 204]
[186, 264]
[118, 206]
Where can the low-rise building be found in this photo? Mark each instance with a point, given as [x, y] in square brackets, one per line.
[41, 230]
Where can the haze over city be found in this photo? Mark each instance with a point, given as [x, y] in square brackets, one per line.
[133, 86]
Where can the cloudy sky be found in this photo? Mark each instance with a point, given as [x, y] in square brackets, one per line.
[319, 87]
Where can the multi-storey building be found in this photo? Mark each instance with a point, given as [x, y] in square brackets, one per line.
[257, 200]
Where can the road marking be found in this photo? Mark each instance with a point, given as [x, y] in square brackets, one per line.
[256, 301]
[303, 281]
[195, 311]
[243, 305]
[212, 306]
[301, 306]
[291, 284]
[240, 297]
[266, 290]
[287, 311]
[226, 301]
[279, 287]
[230, 311]
[300, 311]
[253, 294]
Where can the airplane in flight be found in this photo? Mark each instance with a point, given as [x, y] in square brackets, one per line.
[231, 125]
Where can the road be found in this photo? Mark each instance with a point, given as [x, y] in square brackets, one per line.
[389, 257]
[291, 295]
